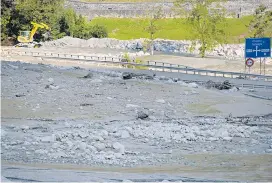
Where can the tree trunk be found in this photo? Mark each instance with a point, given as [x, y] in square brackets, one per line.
[151, 46]
[203, 50]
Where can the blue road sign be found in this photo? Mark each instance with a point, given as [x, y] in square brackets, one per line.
[257, 47]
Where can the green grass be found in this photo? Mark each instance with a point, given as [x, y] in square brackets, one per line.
[174, 29]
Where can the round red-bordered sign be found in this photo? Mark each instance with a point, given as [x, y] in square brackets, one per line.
[249, 62]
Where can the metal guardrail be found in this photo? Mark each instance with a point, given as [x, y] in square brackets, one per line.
[151, 65]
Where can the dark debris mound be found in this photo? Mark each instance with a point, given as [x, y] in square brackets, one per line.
[226, 85]
[130, 75]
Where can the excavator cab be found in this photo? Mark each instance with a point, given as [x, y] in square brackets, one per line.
[25, 38]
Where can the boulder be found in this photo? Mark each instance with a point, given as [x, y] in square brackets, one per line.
[89, 75]
[50, 81]
[127, 75]
[125, 134]
[119, 147]
[142, 115]
[225, 85]
[193, 85]
[99, 146]
[160, 101]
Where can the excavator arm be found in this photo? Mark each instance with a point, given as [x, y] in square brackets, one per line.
[35, 28]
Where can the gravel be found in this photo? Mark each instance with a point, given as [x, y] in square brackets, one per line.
[69, 145]
[110, 133]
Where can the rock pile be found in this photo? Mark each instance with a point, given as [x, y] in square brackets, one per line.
[98, 143]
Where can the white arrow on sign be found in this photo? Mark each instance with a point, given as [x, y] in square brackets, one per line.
[256, 51]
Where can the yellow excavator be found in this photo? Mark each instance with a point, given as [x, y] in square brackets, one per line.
[25, 38]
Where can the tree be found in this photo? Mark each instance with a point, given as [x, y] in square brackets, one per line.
[40, 11]
[99, 31]
[7, 14]
[5, 17]
[261, 24]
[152, 17]
[68, 21]
[17, 15]
[208, 22]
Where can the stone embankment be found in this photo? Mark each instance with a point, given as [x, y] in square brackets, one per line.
[241, 7]
[229, 51]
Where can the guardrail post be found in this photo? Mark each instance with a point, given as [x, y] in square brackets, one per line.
[223, 75]
[105, 58]
[163, 66]
[178, 69]
[186, 70]
[112, 59]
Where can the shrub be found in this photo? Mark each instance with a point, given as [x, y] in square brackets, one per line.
[137, 61]
[99, 31]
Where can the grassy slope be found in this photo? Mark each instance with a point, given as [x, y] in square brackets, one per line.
[175, 29]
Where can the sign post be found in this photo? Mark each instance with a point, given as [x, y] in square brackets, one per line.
[264, 66]
[257, 48]
[260, 66]
[249, 63]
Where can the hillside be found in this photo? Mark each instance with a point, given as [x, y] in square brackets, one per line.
[174, 29]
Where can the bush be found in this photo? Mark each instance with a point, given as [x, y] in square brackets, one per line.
[137, 61]
[99, 31]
